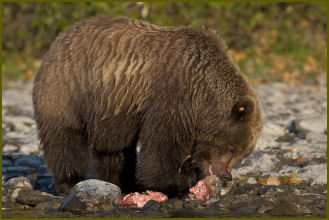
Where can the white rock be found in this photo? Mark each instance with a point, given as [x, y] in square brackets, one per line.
[258, 163]
[92, 189]
[251, 180]
[315, 124]
[273, 129]
[28, 149]
[315, 137]
[9, 148]
[316, 173]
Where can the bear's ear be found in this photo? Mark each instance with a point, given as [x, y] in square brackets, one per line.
[243, 109]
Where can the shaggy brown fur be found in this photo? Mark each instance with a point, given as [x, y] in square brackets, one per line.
[107, 83]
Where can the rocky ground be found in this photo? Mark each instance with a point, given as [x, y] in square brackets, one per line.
[285, 176]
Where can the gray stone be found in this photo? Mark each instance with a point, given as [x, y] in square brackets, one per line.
[258, 163]
[14, 185]
[9, 148]
[17, 169]
[44, 176]
[92, 195]
[266, 142]
[307, 150]
[315, 124]
[28, 149]
[29, 161]
[273, 129]
[34, 197]
[315, 137]
[6, 163]
[316, 173]
[287, 170]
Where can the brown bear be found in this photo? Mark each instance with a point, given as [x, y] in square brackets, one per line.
[107, 83]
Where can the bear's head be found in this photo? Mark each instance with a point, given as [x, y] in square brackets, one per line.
[228, 130]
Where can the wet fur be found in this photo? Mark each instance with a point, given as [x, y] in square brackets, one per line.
[107, 83]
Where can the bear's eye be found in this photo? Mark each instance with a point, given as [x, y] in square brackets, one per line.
[242, 110]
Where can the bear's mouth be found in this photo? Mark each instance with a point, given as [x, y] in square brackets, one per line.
[224, 175]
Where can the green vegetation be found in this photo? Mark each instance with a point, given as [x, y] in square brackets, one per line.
[269, 41]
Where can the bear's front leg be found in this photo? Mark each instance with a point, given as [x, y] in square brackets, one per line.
[109, 166]
[159, 167]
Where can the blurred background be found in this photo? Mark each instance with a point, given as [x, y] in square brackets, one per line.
[269, 41]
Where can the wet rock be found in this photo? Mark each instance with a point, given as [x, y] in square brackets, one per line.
[9, 148]
[29, 161]
[14, 185]
[45, 185]
[267, 189]
[44, 176]
[152, 206]
[285, 207]
[194, 204]
[92, 195]
[34, 197]
[6, 163]
[246, 189]
[17, 170]
[244, 208]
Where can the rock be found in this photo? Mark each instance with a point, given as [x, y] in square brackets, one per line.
[316, 173]
[45, 185]
[34, 197]
[316, 137]
[152, 206]
[315, 124]
[285, 207]
[273, 180]
[6, 163]
[273, 129]
[14, 185]
[29, 161]
[287, 170]
[17, 170]
[30, 148]
[266, 142]
[44, 176]
[258, 163]
[251, 180]
[306, 150]
[92, 195]
[9, 148]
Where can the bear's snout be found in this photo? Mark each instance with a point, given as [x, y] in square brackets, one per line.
[225, 177]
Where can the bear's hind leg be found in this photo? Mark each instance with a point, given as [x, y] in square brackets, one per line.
[67, 156]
